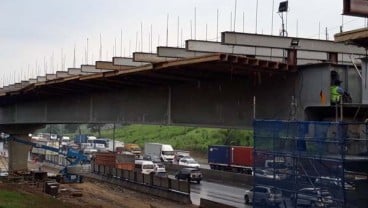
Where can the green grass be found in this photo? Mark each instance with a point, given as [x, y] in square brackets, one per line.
[12, 199]
[189, 138]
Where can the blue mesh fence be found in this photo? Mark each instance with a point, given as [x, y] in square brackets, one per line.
[307, 160]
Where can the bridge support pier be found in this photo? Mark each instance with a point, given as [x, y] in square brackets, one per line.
[18, 153]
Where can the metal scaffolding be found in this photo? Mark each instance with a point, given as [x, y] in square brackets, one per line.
[310, 162]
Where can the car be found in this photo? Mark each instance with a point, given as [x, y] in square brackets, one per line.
[263, 195]
[269, 174]
[190, 174]
[4, 173]
[180, 154]
[160, 170]
[313, 197]
[334, 183]
[189, 162]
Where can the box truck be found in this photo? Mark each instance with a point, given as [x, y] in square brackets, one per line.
[164, 151]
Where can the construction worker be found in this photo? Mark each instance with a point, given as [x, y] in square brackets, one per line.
[336, 92]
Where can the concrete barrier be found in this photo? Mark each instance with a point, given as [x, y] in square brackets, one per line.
[147, 179]
[132, 176]
[205, 203]
[163, 182]
[182, 186]
[139, 177]
[119, 173]
[164, 193]
[126, 174]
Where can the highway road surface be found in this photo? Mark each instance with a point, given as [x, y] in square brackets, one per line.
[229, 195]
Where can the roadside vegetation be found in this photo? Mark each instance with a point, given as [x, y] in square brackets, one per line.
[21, 199]
[188, 138]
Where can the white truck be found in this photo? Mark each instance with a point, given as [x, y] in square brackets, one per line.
[164, 151]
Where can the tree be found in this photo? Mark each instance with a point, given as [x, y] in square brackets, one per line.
[71, 128]
[231, 137]
[95, 128]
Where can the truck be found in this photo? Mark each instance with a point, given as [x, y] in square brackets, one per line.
[133, 148]
[111, 160]
[80, 138]
[231, 158]
[75, 157]
[164, 151]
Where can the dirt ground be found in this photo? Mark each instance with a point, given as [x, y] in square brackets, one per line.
[98, 195]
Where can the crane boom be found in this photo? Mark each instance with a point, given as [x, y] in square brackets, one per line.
[74, 157]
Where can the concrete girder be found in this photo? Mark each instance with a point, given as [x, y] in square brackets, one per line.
[24, 83]
[357, 37]
[225, 102]
[266, 53]
[123, 61]
[13, 87]
[6, 88]
[62, 74]
[270, 41]
[92, 69]
[77, 71]
[150, 57]
[41, 78]
[32, 81]
[18, 85]
[50, 76]
[217, 47]
[173, 52]
[110, 66]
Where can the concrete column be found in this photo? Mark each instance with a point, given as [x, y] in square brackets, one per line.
[364, 81]
[18, 152]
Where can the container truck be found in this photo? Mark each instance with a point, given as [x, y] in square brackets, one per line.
[231, 158]
[164, 151]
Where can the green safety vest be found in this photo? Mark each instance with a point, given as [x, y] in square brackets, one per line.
[335, 96]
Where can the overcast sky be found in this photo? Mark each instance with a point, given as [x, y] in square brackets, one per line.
[39, 36]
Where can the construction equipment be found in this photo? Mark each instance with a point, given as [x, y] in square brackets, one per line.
[73, 156]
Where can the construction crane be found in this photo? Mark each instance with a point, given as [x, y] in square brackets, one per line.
[73, 156]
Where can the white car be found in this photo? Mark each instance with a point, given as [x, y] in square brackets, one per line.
[189, 162]
[264, 195]
[334, 183]
[313, 197]
[4, 173]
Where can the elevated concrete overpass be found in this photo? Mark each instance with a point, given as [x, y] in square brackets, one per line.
[218, 84]
[214, 90]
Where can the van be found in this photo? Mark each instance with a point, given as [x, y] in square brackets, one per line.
[144, 166]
